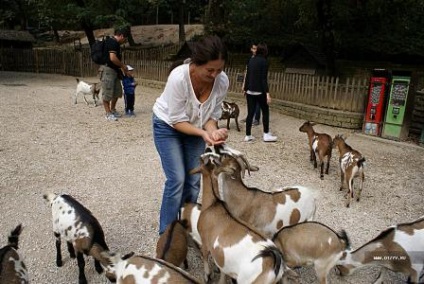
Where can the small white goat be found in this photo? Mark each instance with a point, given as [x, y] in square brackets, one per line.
[312, 243]
[190, 213]
[138, 269]
[237, 250]
[82, 232]
[87, 89]
[351, 166]
[12, 268]
[320, 145]
[267, 211]
[230, 110]
[172, 244]
[399, 248]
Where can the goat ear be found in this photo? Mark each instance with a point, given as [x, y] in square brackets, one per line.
[128, 255]
[254, 168]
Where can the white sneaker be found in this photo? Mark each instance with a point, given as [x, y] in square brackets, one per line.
[269, 138]
[111, 117]
[249, 138]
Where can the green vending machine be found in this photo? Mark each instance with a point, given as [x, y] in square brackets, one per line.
[398, 112]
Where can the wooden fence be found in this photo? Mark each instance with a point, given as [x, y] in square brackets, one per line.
[321, 91]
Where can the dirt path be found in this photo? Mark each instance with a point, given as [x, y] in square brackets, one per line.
[48, 144]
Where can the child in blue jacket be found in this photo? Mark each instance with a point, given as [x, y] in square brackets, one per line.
[129, 85]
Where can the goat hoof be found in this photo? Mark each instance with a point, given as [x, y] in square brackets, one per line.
[82, 281]
[322, 176]
[59, 263]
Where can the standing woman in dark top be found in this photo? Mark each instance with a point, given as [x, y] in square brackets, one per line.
[257, 92]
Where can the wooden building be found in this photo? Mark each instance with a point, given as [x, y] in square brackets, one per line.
[16, 39]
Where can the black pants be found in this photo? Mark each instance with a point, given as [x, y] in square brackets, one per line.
[129, 102]
[252, 101]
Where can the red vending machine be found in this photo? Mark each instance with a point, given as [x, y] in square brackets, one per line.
[377, 98]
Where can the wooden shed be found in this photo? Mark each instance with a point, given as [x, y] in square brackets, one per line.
[304, 59]
[16, 39]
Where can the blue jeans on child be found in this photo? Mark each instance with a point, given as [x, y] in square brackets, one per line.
[179, 153]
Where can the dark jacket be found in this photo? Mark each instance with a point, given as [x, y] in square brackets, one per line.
[257, 75]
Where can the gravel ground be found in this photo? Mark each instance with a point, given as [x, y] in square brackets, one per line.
[48, 144]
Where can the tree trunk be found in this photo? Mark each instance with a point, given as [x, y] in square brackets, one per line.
[181, 34]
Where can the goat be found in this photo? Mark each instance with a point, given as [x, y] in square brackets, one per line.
[265, 210]
[82, 232]
[237, 250]
[351, 166]
[189, 214]
[84, 89]
[399, 248]
[172, 244]
[230, 110]
[320, 144]
[137, 269]
[312, 243]
[12, 268]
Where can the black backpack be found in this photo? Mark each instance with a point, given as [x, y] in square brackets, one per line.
[98, 52]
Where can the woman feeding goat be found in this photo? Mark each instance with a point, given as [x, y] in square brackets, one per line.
[185, 118]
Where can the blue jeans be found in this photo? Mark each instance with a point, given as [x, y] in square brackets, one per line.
[179, 153]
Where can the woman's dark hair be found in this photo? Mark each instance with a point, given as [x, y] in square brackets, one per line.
[207, 49]
[262, 49]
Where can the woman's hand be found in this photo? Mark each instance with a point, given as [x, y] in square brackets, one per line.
[220, 135]
[216, 137]
[268, 98]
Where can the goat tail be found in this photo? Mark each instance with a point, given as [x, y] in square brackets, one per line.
[361, 162]
[343, 235]
[49, 197]
[78, 80]
[14, 237]
[272, 251]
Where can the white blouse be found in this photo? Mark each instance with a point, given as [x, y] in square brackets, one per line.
[178, 102]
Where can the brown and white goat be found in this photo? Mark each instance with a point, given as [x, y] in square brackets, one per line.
[190, 213]
[320, 145]
[82, 232]
[351, 166]
[230, 110]
[267, 211]
[87, 89]
[172, 245]
[236, 248]
[312, 243]
[12, 268]
[399, 248]
[138, 269]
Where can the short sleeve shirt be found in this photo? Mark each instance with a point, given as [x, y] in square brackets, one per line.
[113, 46]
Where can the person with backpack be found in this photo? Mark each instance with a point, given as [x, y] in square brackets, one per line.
[112, 73]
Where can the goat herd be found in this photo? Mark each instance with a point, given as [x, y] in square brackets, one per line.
[252, 235]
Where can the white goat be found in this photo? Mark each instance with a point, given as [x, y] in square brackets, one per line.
[87, 89]
[82, 232]
[351, 166]
[12, 268]
[138, 269]
[237, 250]
[320, 145]
[265, 210]
[312, 243]
[399, 248]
